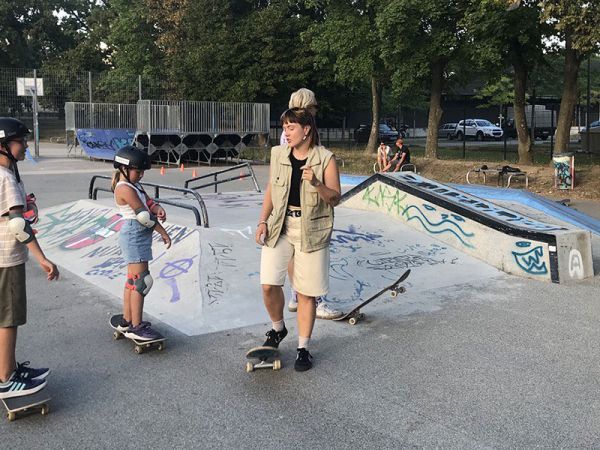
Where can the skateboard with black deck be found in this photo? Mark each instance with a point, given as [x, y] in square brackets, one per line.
[354, 316]
[268, 357]
[27, 404]
[140, 346]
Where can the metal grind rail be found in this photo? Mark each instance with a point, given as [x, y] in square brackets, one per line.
[200, 214]
[215, 176]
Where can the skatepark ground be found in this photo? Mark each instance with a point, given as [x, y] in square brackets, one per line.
[494, 361]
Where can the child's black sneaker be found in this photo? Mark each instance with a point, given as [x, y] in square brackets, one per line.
[18, 387]
[123, 325]
[275, 337]
[303, 360]
[29, 373]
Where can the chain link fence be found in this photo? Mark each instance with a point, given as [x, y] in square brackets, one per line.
[57, 87]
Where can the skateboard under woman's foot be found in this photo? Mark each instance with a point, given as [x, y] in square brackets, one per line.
[268, 357]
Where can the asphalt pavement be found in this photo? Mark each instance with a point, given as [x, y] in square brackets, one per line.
[502, 363]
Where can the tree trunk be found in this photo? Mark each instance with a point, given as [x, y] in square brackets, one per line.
[435, 110]
[376, 90]
[525, 144]
[569, 97]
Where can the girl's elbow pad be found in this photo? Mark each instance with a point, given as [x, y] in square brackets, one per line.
[145, 217]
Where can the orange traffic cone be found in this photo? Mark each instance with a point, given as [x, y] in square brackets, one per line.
[181, 169]
[194, 173]
[162, 170]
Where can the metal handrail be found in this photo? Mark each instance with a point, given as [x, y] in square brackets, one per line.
[219, 172]
[92, 194]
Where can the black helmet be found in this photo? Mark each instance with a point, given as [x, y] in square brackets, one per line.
[11, 129]
[132, 158]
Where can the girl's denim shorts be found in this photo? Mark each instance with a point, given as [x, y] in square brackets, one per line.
[135, 241]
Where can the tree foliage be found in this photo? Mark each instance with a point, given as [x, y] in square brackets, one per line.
[355, 54]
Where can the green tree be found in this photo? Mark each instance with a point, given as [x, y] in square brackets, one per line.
[346, 38]
[245, 51]
[33, 33]
[577, 25]
[495, 44]
[422, 38]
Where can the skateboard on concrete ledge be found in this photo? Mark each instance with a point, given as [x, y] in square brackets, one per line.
[354, 316]
[140, 346]
[268, 357]
[26, 404]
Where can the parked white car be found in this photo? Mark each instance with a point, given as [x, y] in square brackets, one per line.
[478, 129]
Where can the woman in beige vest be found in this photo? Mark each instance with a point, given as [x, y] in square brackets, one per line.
[305, 99]
[296, 222]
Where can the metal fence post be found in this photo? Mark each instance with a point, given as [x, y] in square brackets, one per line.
[140, 86]
[505, 128]
[464, 136]
[36, 125]
[551, 131]
[90, 86]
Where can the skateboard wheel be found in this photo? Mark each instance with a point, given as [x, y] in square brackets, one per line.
[352, 321]
[249, 367]
[401, 290]
[139, 350]
[160, 347]
[361, 316]
[116, 335]
[393, 293]
[11, 416]
[277, 364]
[45, 409]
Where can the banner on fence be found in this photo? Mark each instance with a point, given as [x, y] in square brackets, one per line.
[103, 143]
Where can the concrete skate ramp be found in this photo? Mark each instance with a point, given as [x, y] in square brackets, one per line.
[209, 280]
[83, 237]
[506, 239]
[529, 199]
[505, 196]
[103, 143]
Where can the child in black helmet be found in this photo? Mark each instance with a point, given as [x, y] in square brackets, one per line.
[141, 216]
[16, 238]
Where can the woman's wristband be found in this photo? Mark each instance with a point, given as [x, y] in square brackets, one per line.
[261, 222]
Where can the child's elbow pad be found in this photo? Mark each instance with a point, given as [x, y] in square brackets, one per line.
[20, 228]
[145, 217]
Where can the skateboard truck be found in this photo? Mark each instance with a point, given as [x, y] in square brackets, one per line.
[263, 354]
[397, 290]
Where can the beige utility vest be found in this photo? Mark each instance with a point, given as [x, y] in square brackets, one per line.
[317, 215]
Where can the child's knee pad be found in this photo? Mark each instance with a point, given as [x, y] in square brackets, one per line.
[141, 283]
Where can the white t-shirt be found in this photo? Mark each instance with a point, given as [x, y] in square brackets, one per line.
[12, 252]
[126, 211]
[384, 151]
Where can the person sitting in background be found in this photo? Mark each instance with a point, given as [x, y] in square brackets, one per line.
[398, 157]
[383, 152]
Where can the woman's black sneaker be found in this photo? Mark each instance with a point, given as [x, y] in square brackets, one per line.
[303, 360]
[275, 337]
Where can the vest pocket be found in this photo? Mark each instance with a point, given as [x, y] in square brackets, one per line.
[320, 223]
[311, 195]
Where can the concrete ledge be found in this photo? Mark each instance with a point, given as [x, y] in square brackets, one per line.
[503, 238]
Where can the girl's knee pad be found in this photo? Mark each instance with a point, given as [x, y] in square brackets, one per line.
[142, 283]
